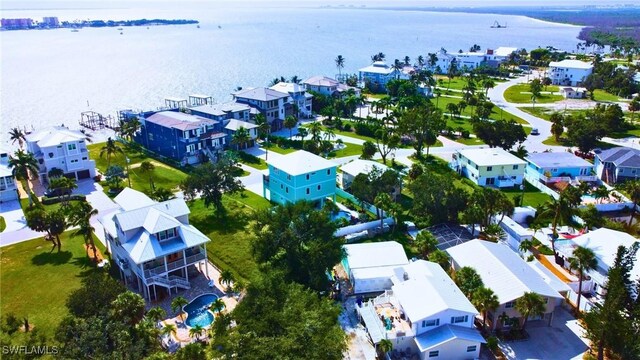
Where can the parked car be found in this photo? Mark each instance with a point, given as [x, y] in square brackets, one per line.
[535, 131]
[56, 192]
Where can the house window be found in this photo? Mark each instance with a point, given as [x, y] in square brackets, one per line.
[307, 176]
[427, 323]
[287, 190]
[71, 147]
[167, 234]
[319, 187]
[471, 348]
[328, 171]
[434, 353]
[509, 305]
[84, 158]
[74, 161]
[489, 168]
[515, 167]
[307, 191]
[459, 319]
[476, 167]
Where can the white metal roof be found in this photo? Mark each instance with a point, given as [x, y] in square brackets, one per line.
[144, 246]
[55, 135]
[134, 219]
[549, 277]
[373, 255]
[320, 80]
[422, 280]
[358, 166]
[445, 333]
[234, 125]
[260, 94]
[561, 159]
[288, 88]
[300, 162]
[378, 67]
[501, 270]
[491, 157]
[504, 51]
[572, 64]
[129, 199]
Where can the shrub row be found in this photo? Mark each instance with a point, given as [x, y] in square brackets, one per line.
[57, 199]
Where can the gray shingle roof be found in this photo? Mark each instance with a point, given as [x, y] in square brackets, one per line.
[260, 94]
[621, 156]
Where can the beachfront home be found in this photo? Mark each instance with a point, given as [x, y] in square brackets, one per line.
[442, 62]
[604, 243]
[300, 175]
[551, 167]
[153, 245]
[370, 265]
[569, 72]
[299, 97]
[617, 165]
[8, 185]
[424, 314]
[234, 125]
[495, 57]
[509, 276]
[569, 92]
[61, 148]
[186, 138]
[224, 112]
[489, 167]
[274, 105]
[327, 86]
[376, 76]
[468, 61]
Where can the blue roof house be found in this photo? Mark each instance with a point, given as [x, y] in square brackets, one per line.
[300, 175]
[552, 167]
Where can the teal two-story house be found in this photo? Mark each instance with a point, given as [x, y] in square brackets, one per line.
[552, 167]
[300, 175]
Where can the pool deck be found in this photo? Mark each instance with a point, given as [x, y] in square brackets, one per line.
[199, 286]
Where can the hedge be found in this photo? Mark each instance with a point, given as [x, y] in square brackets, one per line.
[57, 199]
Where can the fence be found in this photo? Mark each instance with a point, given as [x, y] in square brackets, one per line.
[585, 304]
[370, 208]
[357, 228]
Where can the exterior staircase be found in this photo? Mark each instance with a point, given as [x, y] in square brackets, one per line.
[170, 282]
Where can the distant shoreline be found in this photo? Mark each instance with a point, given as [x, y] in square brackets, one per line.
[94, 24]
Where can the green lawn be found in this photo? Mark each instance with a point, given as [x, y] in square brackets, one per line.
[24, 204]
[251, 160]
[36, 282]
[277, 149]
[532, 196]
[348, 150]
[601, 95]
[496, 113]
[230, 234]
[134, 154]
[163, 177]
[520, 94]
[3, 224]
[458, 82]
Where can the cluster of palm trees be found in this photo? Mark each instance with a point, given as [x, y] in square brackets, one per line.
[177, 305]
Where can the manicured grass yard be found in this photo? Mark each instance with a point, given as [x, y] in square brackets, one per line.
[496, 113]
[601, 95]
[163, 177]
[134, 155]
[532, 196]
[521, 94]
[36, 283]
[277, 149]
[251, 160]
[348, 150]
[458, 82]
[230, 233]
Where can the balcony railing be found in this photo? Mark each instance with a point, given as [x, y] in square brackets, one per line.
[554, 179]
[158, 270]
[195, 258]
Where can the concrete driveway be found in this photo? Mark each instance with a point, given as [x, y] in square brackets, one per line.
[17, 230]
[562, 340]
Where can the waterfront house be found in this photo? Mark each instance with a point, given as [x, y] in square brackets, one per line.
[604, 243]
[152, 244]
[327, 86]
[299, 97]
[569, 92]
[442, 63]
[300, 175]
[274, 105]
[370, 265]
[489, 167]
[424, 313]
[182, 137]
[468, 61]
[377, 75]
[508, 275]
[224, 111]
[495, 57]
[569, 72]
[234, 125]
[617, 165]
[8, 185]
[552, 167]
[61, 148]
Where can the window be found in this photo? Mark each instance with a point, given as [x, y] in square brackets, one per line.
[476, 167]
[84, 158]
[319, 187]
[434, 353]
[328, 171]
[307, 191]
[554, 170]
[509, 305]
[459, 319]
[307, 176]
[471, 348]
[287, 190]
[427, 323]
[489, 168]
[515, 167]
[74, 161]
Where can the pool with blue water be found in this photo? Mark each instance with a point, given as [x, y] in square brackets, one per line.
[198, 310]
[341, 215]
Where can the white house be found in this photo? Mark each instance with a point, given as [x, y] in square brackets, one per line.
[61, 148]
[467, 61]
[356, 167]
[370, 265]
[377, 75]
[152, 244]
[489, 167]
[569, 72]
[424, 313]
[604, 243]
[508, 275]
[443, 62]
[274, 105]
[321, 84]
[8, 186]
[299, 96]
[569, 92]
[497, 56]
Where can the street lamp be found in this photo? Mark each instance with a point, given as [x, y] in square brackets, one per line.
[128, 174]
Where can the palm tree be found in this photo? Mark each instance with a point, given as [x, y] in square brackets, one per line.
[295, 79]
[24, 166]
[530, 304]
[110, 148]
[315, 129]
[632, 188]
[340, 64]
[169, 329]
[521, 152]
[600, 193]
[485, 300]
[18, 135]
[86, 231]
[397, 66]
[384, 346]
[240, 137]
[420, 61]
[487, 84]
[329, 134]
[583, 260]
[196, 331]
[290, 122]
[226, 278]
[156, 314]
[177, 303]
[407, 60]
[66, 185]
[302, 133]
[562, 211]
[217, 306]
[264, 129]
[525, 245]
[147, 167]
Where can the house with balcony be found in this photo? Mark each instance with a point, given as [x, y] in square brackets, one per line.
[489, 167]
[569, 72]
[508, 275]
[224, 112]
[152, 243]
[424, 314]
[300, 175]
[467, 61]
[186, 138]
[8, 185]
[274, 105]
[61, 148]
[377, 75]
[552, 167]
[327, 86]
[299, 97]
[616, 165]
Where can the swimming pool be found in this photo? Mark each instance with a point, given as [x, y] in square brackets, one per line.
[341, 215]
[198, 310]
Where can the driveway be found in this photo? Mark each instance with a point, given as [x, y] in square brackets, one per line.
[100, 201]
[562, 340]
[17, 230]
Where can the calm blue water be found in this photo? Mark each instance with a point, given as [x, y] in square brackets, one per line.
[341, 215]
[198, 310]
[50, 76]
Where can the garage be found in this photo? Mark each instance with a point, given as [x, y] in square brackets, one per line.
[83, 174]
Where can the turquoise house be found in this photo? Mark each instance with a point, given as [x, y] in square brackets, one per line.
[300, 175]
[551, 167]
